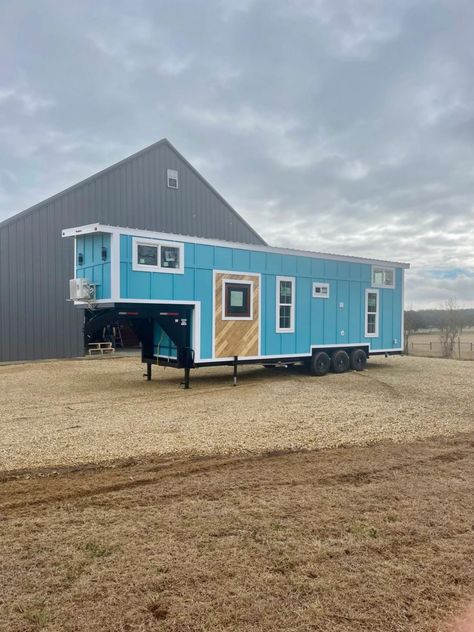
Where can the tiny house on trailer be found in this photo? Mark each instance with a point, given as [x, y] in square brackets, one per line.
[196, 302]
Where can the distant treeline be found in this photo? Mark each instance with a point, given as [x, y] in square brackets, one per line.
[436, 318]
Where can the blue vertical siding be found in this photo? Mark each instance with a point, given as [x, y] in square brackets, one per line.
[94, 267]
[337, 320]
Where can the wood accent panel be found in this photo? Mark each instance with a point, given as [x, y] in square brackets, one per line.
[236, 337]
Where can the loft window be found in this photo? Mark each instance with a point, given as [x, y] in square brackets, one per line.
[147, 255]
[285, 304]
[172, 178]
[320, 290]
[237, 299]
[169, 257]
[383, 277]
[372, 313]
[158, 256]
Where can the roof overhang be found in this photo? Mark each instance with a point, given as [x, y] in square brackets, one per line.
[136, 232]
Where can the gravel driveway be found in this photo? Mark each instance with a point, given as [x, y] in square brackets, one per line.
[82, 411]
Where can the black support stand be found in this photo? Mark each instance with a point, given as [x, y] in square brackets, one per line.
[235, 370]
[187, 371]
[148, 371]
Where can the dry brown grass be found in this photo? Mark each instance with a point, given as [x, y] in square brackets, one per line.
[70, 412]
[428, 344]
[352, 539]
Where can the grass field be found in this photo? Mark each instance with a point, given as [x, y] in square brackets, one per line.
[341, 504]
[429, 345]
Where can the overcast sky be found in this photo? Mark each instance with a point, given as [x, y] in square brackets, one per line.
[335, 125]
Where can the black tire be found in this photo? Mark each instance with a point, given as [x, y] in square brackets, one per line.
[358, 360]
[339, 361]
[319, 363]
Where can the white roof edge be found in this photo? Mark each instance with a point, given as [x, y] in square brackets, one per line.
[136, 232]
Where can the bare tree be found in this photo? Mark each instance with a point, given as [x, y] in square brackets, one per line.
[413, 322]
[449, 327]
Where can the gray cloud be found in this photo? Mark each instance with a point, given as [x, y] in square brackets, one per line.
[338, 126]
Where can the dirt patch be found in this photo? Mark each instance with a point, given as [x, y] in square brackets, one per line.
[350, 539]
[70, 412]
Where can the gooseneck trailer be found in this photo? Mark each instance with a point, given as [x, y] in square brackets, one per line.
[196, 302]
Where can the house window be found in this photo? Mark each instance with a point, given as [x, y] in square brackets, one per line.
[285, 303]
[172, 178]
[169, 257]
[372, 313]
[383, 277]
[320, 290]
[237, 300]
[147, 255]
[158, 256]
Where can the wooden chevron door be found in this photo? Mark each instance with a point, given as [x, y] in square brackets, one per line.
[236, 315]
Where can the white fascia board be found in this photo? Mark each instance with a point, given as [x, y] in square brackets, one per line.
[84, 230]
[136, 232]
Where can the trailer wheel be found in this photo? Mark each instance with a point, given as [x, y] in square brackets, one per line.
[319, 363]
[358, 360]
[339, 361]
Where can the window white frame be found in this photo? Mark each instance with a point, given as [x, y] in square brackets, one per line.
[321, 285]
[172, 174]
[141, 267]
[236, 282]
[279, 329]
[377, 313]
[383, 270]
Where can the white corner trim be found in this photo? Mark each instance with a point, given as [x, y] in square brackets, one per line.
[291, 329]
[115, 266]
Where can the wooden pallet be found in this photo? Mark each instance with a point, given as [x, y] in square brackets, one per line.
[100, 347]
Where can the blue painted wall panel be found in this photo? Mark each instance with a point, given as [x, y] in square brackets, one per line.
[317, 321]
[355, 313]
[303, 314]
[94, 267]
[223, 258]
[342, 311]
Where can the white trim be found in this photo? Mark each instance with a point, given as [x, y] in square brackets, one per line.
[234, 281]
[158, 244]
[91, 228]
[402, 335]
[115, 266]
[291, 328]
[368, 291]
[318, 284]
[383, 269]
[75, 257]
[365, 344]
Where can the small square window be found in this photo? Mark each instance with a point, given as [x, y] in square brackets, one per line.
[147, 255]
[172, 178]
[383, 277]
[320, 290]
[169, 257]
[237, 300]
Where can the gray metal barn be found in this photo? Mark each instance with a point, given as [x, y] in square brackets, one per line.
[155, 189]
